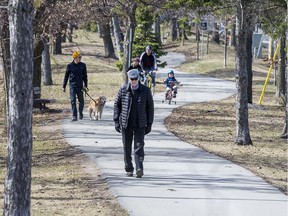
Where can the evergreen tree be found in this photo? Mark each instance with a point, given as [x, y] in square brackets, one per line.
[144, 34]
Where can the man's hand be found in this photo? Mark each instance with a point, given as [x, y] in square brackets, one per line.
[64, 90]
[148, 129]
[85, 89]
[117, 127]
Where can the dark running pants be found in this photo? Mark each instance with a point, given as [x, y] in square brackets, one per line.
[127, 138]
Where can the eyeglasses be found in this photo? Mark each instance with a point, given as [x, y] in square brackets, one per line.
[133, 79]
[79, 57]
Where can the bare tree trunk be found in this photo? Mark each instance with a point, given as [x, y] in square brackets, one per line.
[284, 133]
[280, 92]
[182, 36]
[207, 48]
[126, 60]
[233, 36]
[157, 28]
[117, 36]
[285, 128]
[249, 65]
[174, 29]
[58, 43]
[198, 36]
[251, 22]
[225, 48]
[37, 61]
[242, 125]
[197, 41]
[70, 33]
[19, 157]
[131, 25]
[46, 63]
[100, 30]
[108, 44]
[6, 59]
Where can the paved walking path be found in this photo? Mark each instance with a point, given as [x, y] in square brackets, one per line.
[179, 178]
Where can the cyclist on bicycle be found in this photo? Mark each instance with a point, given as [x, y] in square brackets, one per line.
[148, 62]
[167, 82]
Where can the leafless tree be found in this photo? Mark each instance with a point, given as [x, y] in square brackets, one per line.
[107, 40]
[18, 179]
[5, 48]
[46, 63]
[252, 14]
[117, 35]
[242, 125]
[285, 128]
[281, 87]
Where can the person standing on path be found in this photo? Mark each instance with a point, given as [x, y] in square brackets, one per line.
[77, 74]
[133, 117]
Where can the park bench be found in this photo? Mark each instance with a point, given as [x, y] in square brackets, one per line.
[39, 102]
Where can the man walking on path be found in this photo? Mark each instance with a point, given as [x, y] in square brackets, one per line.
[77, 74]
[133, 117]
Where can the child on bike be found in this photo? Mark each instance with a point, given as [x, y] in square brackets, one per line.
[170, 83]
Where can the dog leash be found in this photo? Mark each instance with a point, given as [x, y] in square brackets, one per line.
[86, 92]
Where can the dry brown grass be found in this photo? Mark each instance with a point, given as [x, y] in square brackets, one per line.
[64, 181]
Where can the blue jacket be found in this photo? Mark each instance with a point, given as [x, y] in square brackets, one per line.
[169, 79]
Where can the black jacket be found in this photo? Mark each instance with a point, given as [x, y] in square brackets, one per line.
[148, 61]
[77, 74]
[122, 106]
[138, 67]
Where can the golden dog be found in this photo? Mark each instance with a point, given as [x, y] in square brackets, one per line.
[96, 107]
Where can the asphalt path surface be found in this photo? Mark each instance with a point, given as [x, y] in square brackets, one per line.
[179, 178]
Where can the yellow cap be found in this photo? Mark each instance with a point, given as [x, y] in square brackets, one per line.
[76, 54]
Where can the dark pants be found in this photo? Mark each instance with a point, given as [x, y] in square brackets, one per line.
[127, 138]
[73, 93]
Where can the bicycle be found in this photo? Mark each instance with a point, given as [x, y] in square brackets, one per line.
[148, 81]
[171, 94]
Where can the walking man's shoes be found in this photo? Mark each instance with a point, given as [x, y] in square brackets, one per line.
[129, 174]
[139, 173]
[80, 115]
[74, 118]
